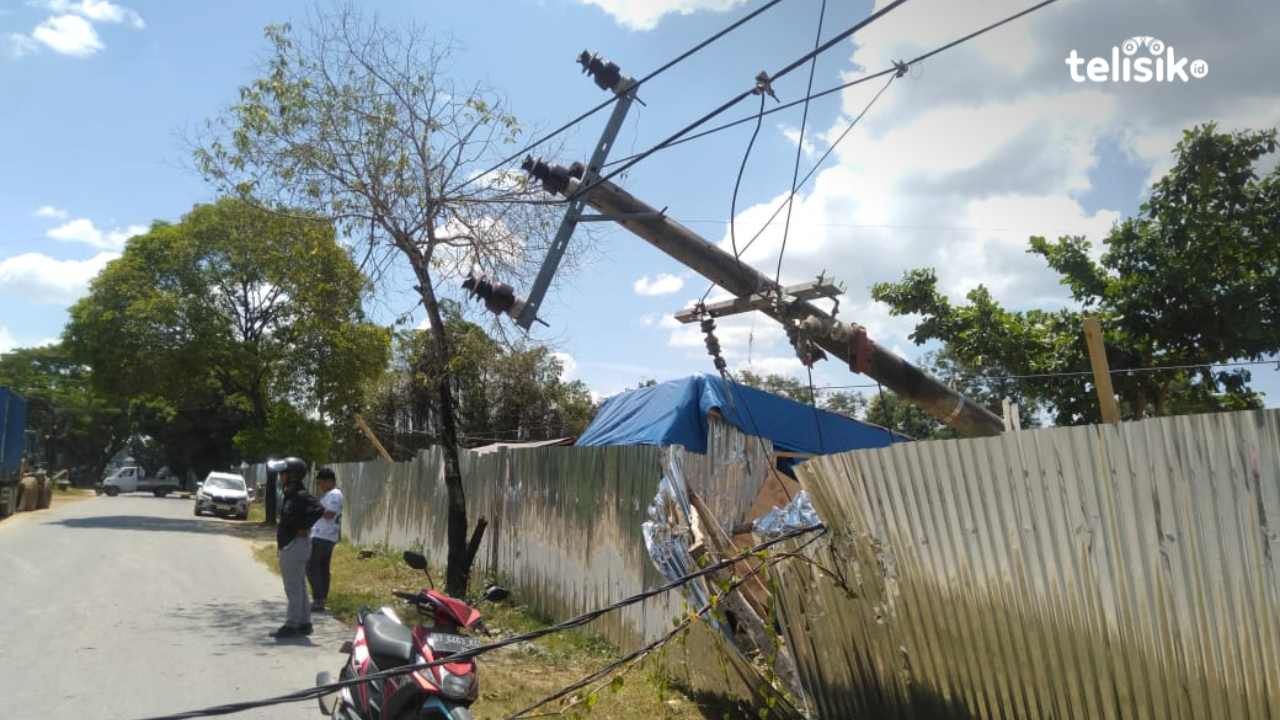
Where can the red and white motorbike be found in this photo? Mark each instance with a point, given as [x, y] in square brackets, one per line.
[383, 642]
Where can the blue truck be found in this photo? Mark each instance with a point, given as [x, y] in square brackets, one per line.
[13, 446]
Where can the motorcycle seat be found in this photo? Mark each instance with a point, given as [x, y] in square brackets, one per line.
[390, 643]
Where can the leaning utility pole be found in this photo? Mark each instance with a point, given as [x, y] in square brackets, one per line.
[847, 341]
[808, 326]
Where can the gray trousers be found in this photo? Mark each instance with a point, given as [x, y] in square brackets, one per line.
[293, 567]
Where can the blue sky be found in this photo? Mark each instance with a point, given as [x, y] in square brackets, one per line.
[956, 165]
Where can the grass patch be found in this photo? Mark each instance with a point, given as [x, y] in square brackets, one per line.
[516, 677]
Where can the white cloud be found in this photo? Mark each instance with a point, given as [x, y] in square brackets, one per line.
[69, 35]
[662, 284]
[7, 341]
[568, 366]
[20, 45]
[70, 30]
[793, 134]
[82, 230]
[38, 278]
[99, 11]
[645, 14]
[974, 151]
[49, 211]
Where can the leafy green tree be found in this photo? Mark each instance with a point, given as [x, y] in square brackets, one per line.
[1193, 279]
[213, 322]
[502, 393]
[357, 122]
[78, 428]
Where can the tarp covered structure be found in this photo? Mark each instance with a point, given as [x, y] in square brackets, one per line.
[675, 413]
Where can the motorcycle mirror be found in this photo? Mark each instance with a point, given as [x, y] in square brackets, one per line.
[495, 593]
[417, 561]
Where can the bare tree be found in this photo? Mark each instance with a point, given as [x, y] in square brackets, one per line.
[356, 121]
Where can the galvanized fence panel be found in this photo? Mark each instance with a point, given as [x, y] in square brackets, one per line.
[1126, 571]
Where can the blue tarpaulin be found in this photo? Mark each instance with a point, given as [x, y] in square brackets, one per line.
[675, 413]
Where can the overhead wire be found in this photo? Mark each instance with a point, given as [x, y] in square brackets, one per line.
[844, 86]
[653, 74]
[795, 170]
[733, 203]
[726, 105]
[816, 166]
[1084, 373]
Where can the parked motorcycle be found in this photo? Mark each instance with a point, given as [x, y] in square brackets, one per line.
[383, 642]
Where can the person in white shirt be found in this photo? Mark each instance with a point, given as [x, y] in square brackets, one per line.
[324, 535]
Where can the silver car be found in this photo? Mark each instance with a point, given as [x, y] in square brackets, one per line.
[223, 494]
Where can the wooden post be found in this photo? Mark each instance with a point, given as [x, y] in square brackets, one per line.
[364, 428]
[1101, 370]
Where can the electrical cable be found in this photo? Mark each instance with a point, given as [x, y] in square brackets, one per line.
[766, 80]
[795, 171]
[650, 647]
[733, 203]
[655, 73]
[809, 174]
[1084, 373]
[580, 620]
[844, 86]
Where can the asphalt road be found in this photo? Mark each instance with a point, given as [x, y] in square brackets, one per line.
[128, 607]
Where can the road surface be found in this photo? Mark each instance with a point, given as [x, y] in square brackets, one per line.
[127, 607]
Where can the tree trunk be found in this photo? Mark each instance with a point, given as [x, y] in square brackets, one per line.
[458, 569]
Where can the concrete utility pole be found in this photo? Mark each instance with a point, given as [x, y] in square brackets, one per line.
[846, 341]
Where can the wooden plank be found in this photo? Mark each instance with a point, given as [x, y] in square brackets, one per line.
[1101, 370]
[368, 432]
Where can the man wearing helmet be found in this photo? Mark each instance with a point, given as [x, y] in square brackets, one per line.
[293, 543]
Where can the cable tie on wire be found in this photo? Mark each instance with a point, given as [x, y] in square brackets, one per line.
[900, 68]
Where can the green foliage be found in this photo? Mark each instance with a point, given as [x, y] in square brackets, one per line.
[846, 403]
[216, 322]
[77, 427]
[500, 393]
[1194, 278]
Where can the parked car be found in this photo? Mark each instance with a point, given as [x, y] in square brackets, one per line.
[223, 494]
[133, 478]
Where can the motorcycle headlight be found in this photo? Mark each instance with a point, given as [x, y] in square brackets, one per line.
[458, 687]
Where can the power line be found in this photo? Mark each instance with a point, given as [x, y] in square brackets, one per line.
[1085, 373]
[812, 170]
[795, 171]
[844, 86]
[666, 66]
[737, 185]
[572, 623]
[766, 80]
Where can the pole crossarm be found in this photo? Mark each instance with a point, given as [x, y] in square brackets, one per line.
[812, 290]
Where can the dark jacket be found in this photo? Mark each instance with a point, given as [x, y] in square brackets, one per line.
[295, 515]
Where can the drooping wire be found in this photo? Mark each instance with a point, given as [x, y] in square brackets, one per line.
[787, 69]
[817, 419]
[320, 690]
[733, 203]
[795, 171]
[812, 170]
[640, 653]
[844, 86]
[655, 73]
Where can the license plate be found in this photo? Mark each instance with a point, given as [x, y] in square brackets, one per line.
[448, 643]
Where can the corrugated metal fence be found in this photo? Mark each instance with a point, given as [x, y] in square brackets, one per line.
[564, 522]
[1105, 571]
